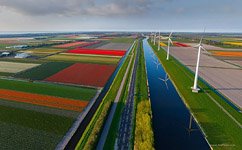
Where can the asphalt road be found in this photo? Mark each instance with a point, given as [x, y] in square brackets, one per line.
[125, 128]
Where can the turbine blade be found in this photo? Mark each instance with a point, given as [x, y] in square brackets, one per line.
[171, 41]
[170, 34]
[166, 85]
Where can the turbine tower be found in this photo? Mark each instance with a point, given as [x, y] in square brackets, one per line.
[159, 42]
[200, 47]
[168, 46]
[154, 38]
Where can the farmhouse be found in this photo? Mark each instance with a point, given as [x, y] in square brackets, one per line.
[18, 46]
[22, 55]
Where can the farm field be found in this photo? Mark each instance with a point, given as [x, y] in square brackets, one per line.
[14, 67]
[162, 44]
[68, 45]
[122, 40]
[29, 129]
[94, 75]
[226, 54]
[97, 52]
[234, 43]
[69, 57]
[178, 44]
[49, 89]
[43, 51]
[43, 100]
[115, 46]
[43, 71]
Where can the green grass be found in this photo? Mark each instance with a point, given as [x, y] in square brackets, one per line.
[78, 93]
[6, 73]
[84, 58]
[122, 40]
[24, 60]
[113, 132]
[21, 129]
[43, 71]
[92, 133]
[218, 126]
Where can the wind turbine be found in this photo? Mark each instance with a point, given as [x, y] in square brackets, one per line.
[159, 42]
[200, 47]
[154, 37]
[157, 63]
[165, 80]
[168, 46]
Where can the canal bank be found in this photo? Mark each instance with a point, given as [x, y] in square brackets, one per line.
[171, 118]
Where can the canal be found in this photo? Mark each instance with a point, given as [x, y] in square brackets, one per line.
[171, 118]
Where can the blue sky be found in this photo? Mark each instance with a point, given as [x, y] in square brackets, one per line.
[123, 15]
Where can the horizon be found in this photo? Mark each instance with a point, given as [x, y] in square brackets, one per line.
[110, 15]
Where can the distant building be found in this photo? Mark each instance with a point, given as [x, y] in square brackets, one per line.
[4, 54]
[18, 46]
[22, 55]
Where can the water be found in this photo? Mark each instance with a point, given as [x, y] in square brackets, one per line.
[170, 116]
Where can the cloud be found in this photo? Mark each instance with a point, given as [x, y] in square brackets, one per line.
[79, 7]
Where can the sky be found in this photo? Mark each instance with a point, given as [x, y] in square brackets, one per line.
[121, 15]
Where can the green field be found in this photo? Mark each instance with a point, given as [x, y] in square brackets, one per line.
[27, 129]
[43, 71]
[122, 40]
[84, 58]
[78, 93]
[218, 127]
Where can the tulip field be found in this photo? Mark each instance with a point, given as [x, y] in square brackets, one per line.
[42, 96]
[162, 44]
[69, 45]
[95, 75]
[178, 44]
[233, 43]
[97, 52]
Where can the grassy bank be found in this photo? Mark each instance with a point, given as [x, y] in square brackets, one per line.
[143, 136]
[221, 131]
[92, 133]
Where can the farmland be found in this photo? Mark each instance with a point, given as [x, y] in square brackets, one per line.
[98, 52]
[227, 54]
[84, 58]
[43, 100]
[68, 45]
[115, 46]
[94, 75]
[48, 89]
[13, 67]
[42, 95]
[43, 71]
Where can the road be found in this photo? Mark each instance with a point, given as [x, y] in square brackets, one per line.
[125, 128]
[108, 122]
